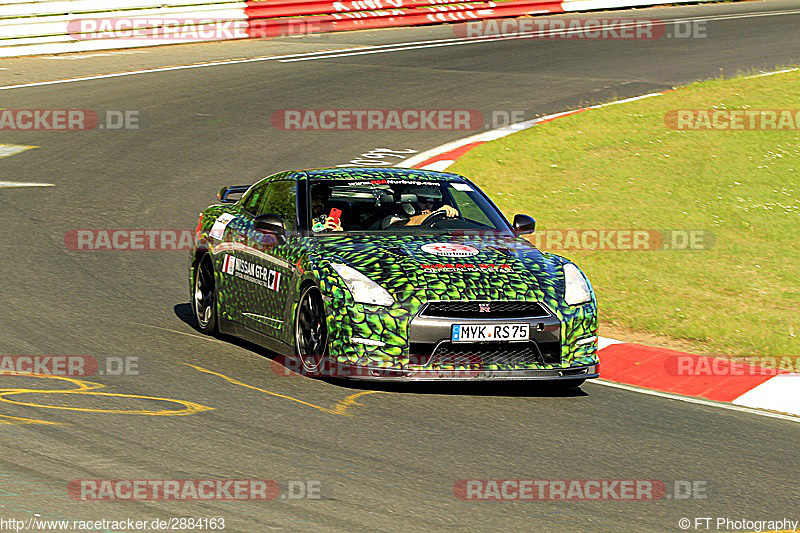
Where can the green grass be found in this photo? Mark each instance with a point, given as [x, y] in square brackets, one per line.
[621, 167]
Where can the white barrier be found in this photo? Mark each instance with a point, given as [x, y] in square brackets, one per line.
[43, 27]
[30, 27]
[592, 5]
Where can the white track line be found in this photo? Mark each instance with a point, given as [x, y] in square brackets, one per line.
[14, 184]
[699, 401]
[412, 45]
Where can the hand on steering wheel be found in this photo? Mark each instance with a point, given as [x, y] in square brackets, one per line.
[433, 218]
[445, 211]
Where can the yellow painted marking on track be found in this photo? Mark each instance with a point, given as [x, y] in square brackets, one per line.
[342, 405]
[201, 337]
[339, 409]
[88, 388]
[8, 420]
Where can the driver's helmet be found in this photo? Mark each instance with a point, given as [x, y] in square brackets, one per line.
[426, 193]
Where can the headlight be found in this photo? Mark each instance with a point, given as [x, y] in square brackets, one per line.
[577, 289]
[363, 289]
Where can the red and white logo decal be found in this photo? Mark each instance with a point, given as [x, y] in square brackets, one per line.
[448, 249]
[274, 280]
[229, 264]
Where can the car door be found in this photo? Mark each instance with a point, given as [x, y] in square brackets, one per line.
[230, 235]
[264, 267]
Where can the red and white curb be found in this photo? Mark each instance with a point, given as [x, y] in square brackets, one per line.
[657, 371]
[698, 376]
[443, 156]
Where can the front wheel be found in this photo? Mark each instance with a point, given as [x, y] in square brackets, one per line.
[311, 331]
[204, 302]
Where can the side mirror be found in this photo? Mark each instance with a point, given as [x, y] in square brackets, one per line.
[271, 224]
[523, 224]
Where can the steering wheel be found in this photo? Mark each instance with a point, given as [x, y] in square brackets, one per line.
[433, 218]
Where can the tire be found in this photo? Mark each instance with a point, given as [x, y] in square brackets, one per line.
[204, 298]
[311, 332]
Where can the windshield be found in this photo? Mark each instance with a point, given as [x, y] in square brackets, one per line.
[400, 205]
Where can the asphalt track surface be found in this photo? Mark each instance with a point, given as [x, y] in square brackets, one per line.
[385, 460]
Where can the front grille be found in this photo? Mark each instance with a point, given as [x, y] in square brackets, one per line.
[486, 353]
[477, 309]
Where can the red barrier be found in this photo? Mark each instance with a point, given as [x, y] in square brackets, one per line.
[294, 8]
[423, 12]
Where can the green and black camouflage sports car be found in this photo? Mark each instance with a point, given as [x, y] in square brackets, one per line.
[385, 273]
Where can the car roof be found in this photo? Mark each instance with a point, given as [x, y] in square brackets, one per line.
[371, 173]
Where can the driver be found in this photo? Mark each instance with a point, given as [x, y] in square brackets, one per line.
[320, 221]
[427, 197]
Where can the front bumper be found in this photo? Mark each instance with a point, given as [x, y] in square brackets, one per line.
[444, 374]
[417, 347]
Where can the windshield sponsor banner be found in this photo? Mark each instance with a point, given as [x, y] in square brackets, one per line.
[367, 183]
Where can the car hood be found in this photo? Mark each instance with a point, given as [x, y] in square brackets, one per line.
[419, 268]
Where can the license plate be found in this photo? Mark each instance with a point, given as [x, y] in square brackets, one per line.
[490, 332]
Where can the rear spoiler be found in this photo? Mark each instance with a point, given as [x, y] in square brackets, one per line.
[225, 192]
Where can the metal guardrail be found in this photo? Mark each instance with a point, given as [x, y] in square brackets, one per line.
[57, 26]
